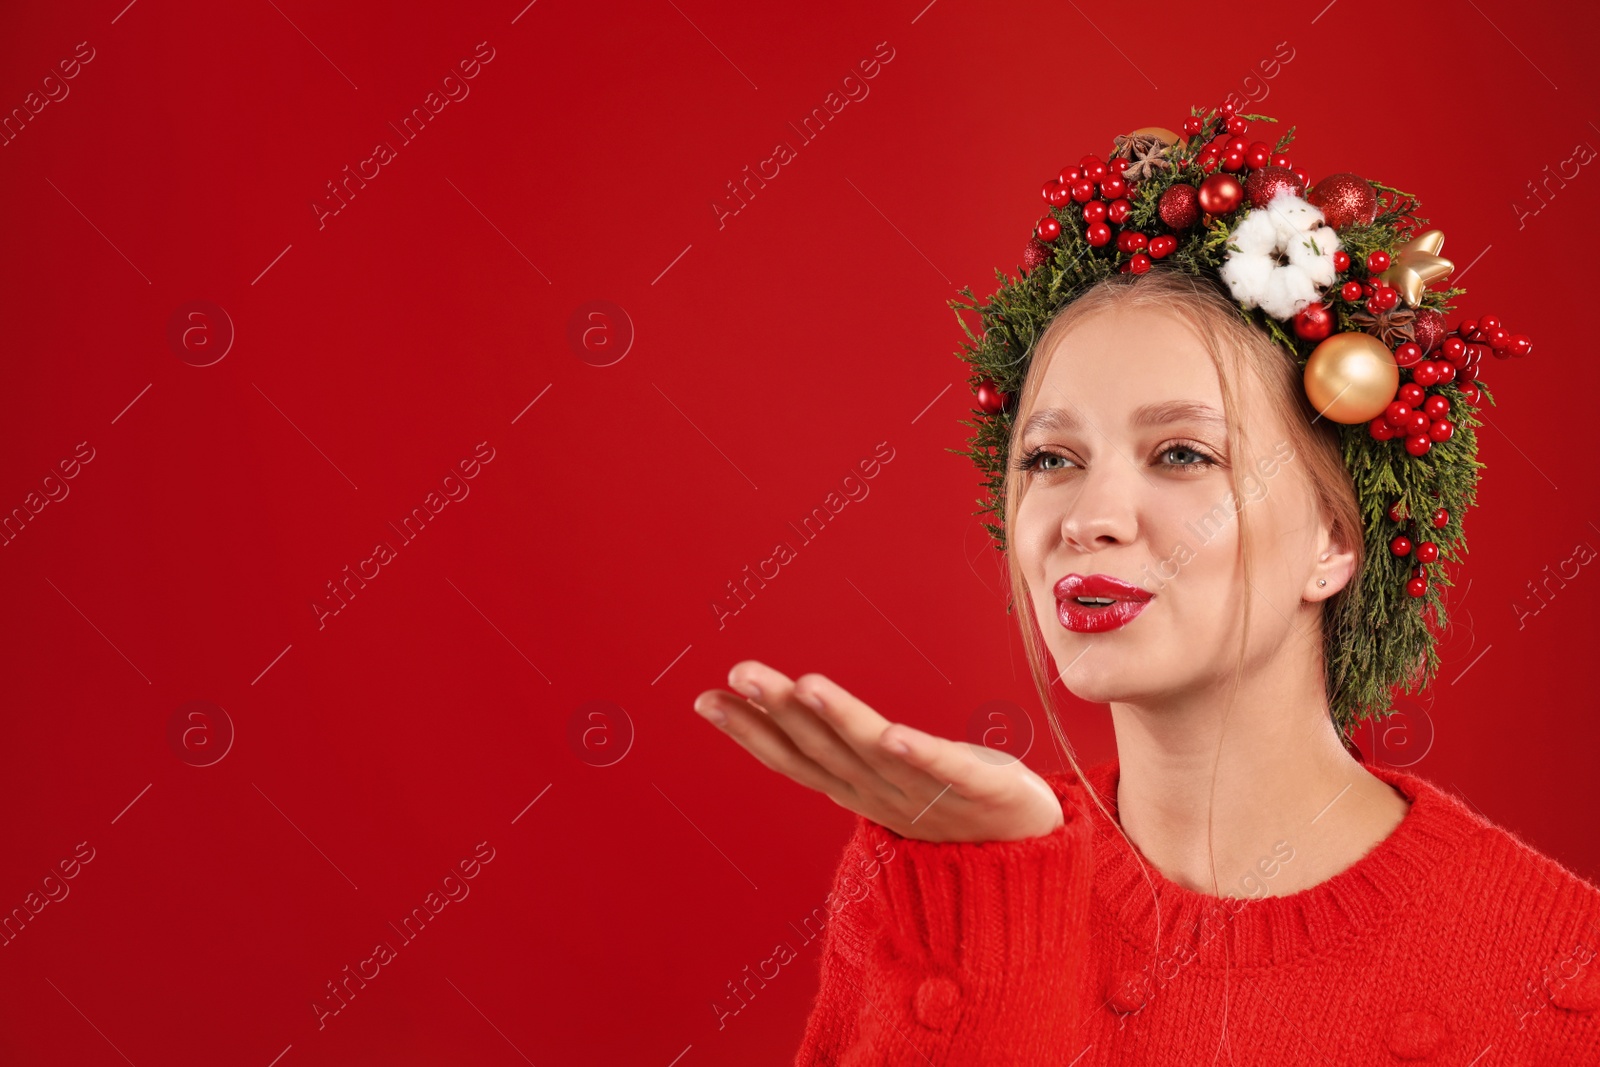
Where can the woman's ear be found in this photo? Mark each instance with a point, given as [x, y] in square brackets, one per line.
[1335, 567]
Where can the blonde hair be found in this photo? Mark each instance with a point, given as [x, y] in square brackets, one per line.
[1237, 347]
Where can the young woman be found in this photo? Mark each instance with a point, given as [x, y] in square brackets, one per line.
[1234, 886]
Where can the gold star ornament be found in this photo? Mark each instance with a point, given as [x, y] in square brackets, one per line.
[1416, 264]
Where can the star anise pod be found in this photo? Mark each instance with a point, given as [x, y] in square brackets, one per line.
[1394, 328]
[1147, 152]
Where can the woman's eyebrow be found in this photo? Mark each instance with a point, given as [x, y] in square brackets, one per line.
[1159, 414]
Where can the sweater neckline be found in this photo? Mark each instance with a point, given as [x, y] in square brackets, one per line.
[1198, 930]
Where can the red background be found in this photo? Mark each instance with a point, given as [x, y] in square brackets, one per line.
[772, 354]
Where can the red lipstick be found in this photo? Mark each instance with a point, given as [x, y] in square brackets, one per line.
[1097, 603]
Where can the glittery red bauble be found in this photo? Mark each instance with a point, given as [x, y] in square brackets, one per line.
[1268, 182]
[1180, 207]
[1344, 199]
[1033, 255]
[1429, 329]
[1220, 194]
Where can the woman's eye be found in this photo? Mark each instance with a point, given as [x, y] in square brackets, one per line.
[1191, 457]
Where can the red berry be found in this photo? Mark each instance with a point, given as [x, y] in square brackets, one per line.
[1049, 229]
[1401, 545]
[1258, 155]
[1397, 511]
[1233, 160]
[1410, 394]
[1378, 262]
[1488, 323]
[1447, 371]
[1396, 414]
[1192, 126]
[1350, 291]
[1139, 263]
[1237, 124]
[1427, 552]
[1469, 392]
[1436, 407]
[1281, 161]
[1227, 109]
[1386, 296]
[1117, 211]
[1408, 354]
[1426, 373]
[1441, 519]
[1050, 187]
[1162, 246]
[1131, 241]
[1521, 344]
[1379, 429]
[1455, 350]
[1442, 430]
[1113, 187]
[1094, 211]
[1092, 167]
[1070, 176]
[1417, 587]
[1467, 328]
[1418, 444]
[1341, 261]
[1083, 190]
[1416, 423]
[1098, 234]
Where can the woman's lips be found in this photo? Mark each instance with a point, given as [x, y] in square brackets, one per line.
[1126, 602]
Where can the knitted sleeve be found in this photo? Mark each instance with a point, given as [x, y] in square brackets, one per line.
[963, 953]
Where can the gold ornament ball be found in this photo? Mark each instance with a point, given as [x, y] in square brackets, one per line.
[1351, 377]
[1161, 133]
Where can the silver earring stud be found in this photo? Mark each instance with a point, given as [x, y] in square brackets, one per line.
[1322, 581]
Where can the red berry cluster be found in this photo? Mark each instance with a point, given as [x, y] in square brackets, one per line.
[1316, 322]
[1230, 151]
[1107, 199]
[1410, 544]
[1421, 420]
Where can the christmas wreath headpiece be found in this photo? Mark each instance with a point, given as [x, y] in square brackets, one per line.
[1338, 276]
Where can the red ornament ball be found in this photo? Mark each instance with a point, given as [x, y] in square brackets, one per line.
[990, 399]
[1220, 194]
[1180, 207]
[1268, 182]
[1345, 199]
[1428, 328]
[1034, 254]
[1314, 323]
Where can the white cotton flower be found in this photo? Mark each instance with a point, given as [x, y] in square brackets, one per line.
[1280, 257]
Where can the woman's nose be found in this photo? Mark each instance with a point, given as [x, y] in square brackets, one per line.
[1103, 508]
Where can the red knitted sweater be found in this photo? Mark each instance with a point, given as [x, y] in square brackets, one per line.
[1451, 942]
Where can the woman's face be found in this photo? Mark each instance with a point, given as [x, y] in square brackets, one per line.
[1131, 482]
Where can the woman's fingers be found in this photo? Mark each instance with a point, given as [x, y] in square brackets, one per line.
[772, 691]
[758, 734]
[863, 729]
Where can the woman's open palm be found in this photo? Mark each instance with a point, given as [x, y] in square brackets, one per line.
[918, 785]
